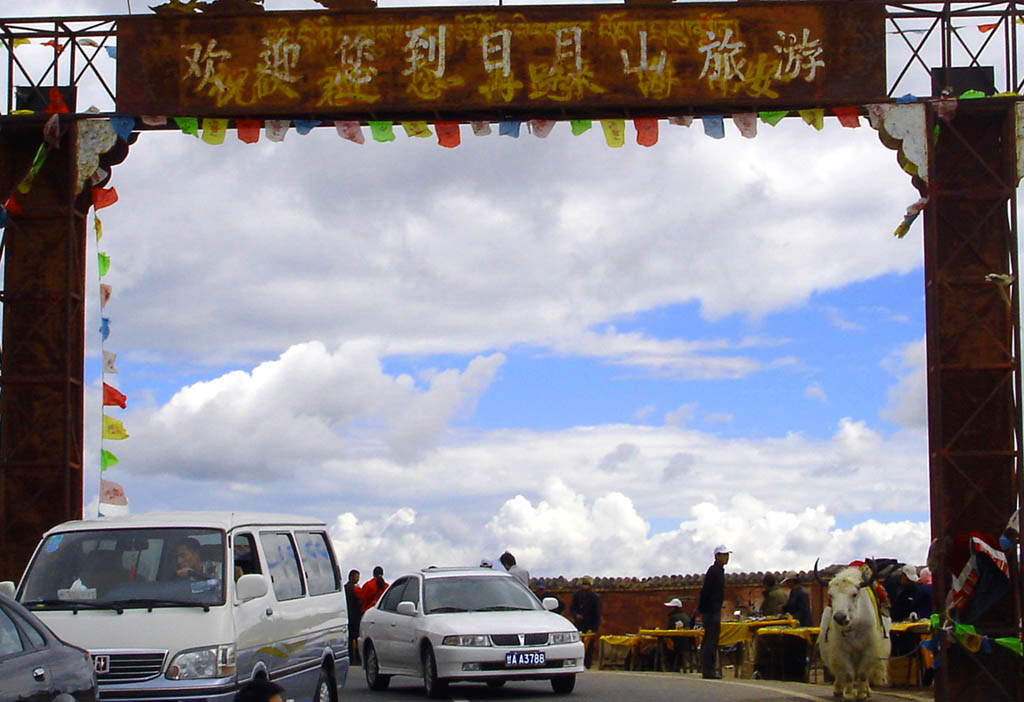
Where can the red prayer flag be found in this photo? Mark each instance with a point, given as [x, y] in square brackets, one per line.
[248, 130]
[12, 206]
[448, 134]
[986, 27]
[103, 197]
[848, 116]
[57, 104]
[646, 131]
[55, 44]
[113, 397]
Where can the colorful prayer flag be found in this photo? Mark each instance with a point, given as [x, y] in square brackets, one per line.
[98, 227]
[382, 131]
[746, 123]
[123, 126]
[103, 261]
[772, 117]
[448, 134]
[714, 126]
[56, 104]
[188, 125]
[154, 120]
[579, 126]
[111, 51]
[305, 126]
[350, 130]
[480, 128]
[105, 291]
[214, 130]
[614, 132]
[646, 131]
[109, 358]
[21, 42]
[509, 127]
[105, 327]
[112, 397]
[12, 206]
[277, 129]
[112, 493]
[417, 129]
[681, 121]
[814, 117]
[113, 429]
[541, 127]
[848, 116]
[107, 459]
[248, 130]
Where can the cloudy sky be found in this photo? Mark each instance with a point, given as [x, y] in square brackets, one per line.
[605, 360]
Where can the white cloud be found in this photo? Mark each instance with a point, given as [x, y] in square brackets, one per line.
[681, 415]
[644, 412]
[908, 399]
[815, 392]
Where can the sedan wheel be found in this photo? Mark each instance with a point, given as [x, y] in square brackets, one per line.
[371, 667]
[431, 684]
[563, 684]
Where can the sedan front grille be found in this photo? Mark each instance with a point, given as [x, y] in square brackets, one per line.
[514, 640]
[130, 667]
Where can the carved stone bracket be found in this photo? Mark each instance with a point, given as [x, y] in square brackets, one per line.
[903, 128]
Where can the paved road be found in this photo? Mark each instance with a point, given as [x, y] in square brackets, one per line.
[616, 686]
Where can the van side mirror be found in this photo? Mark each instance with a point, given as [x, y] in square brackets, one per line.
[7, 589]
[407, 608]
[251, 586]
[550, 603]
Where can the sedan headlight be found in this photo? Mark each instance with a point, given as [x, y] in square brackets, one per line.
[563, 637]
[466, 640]
[210, 662]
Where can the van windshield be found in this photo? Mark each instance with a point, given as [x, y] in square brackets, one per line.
[123, 568]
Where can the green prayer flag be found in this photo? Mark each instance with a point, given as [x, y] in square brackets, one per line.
[580, 125]
[40, 158]
[104, 263]
[772, 117]
[1012, 643]
[107, 459]
[382, 131]
[189, 125]
[935, 134]
[971, 94]
[934, 622]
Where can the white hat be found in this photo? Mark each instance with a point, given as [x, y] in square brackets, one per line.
[720, 548]
[911, 573]
[674, 602]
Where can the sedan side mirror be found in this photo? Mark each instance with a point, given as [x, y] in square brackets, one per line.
[407, 608]
[550, 603]
[251, 586]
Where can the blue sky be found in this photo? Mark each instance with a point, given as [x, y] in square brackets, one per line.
[607, 361]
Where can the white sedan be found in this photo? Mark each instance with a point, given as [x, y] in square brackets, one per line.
[467, 624]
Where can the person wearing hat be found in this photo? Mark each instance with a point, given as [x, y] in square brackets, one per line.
[712, 597]
[677, 617]
[903, 603]
[774, 596]
[798, 605]
[585, 607]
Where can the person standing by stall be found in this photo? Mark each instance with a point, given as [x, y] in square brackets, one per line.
[798, 605]
[712, 597]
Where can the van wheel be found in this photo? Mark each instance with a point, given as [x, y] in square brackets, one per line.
[563, 684]
[432, 685]
[325, 688]
[371, 667]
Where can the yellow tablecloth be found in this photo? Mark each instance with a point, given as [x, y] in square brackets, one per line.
[807, 633]
[666, 635]
[743, 631]
[910, 627]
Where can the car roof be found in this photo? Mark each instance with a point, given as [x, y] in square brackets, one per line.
[450, 571]
[201, 519]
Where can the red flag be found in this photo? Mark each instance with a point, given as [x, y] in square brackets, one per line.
[12, 206]
[847, 116]
[114, 397]
[986, 27]
[646, 131]
[112, 493]
[448, 134]
[103, 197]
[55, 44]
[57, 104]
[248, 130]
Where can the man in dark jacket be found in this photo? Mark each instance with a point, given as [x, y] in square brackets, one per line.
[355, 613]
[585, 608]
[712, 597]
[798, 605]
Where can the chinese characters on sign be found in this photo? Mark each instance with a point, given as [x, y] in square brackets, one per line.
[306, 62]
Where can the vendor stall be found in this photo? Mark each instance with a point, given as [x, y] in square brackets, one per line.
[676, 649]
[784, 653]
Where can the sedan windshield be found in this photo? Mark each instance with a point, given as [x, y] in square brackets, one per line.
[124, 568]
[476, 594]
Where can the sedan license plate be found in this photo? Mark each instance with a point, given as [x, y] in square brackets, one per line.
[524, 659]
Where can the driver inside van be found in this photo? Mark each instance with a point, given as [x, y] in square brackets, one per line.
[187, 559]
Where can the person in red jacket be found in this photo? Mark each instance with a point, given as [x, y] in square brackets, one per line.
[372, 589]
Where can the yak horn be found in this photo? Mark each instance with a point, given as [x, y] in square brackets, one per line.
[816, 576]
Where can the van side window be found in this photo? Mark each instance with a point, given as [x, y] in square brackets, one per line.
[247, 561]
[321, 574]
[393, 596]
[282, 564]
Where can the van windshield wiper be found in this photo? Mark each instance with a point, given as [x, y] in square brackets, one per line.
[150, 603]
[73, 604]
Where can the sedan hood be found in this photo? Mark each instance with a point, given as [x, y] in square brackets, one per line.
[496, 622]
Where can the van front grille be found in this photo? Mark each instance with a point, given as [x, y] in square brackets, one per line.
[129, 667]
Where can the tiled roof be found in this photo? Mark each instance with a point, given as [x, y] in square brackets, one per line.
[658, 582]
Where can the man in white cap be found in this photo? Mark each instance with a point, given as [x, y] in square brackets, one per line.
[677, 618]
[903, 603]
[712, 597]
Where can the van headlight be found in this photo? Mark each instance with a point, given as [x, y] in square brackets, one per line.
[563, 637]
[466, 640]
[210, 662]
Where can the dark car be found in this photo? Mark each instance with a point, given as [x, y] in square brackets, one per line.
[36, 666]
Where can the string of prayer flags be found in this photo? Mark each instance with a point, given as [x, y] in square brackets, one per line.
[681, 121]
[214, 130]
[772, 117]
[112, 493]
[540, 128]
[351, 130]
[448, 134]
[105, 292]
[714, 126]
[107, 459]
[277, 129]
[112, 397]
[102, 263]
[105, 327]
[419, 130]
[188, 125]
[847, 116]
[103, 197]
[113, 429]
[248, 130]
[579, 126]
[814, 117]
[646, 131]
[305, 126]
[746, 123]
[614, 132]
[123, 126]
[509, 127]
[382, 131]
[480, 128]
[109, 359]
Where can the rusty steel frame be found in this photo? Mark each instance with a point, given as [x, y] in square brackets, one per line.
[973, 336]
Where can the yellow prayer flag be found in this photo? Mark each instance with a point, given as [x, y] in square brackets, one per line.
[417, 129]
[113, 429]
[214, 130]
[99, 227]
[614, 132]
[21, 42]
[815, 117]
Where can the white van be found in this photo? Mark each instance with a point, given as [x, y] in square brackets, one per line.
[186, 606]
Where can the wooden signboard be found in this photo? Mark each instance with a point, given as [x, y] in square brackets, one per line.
[537, 60]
